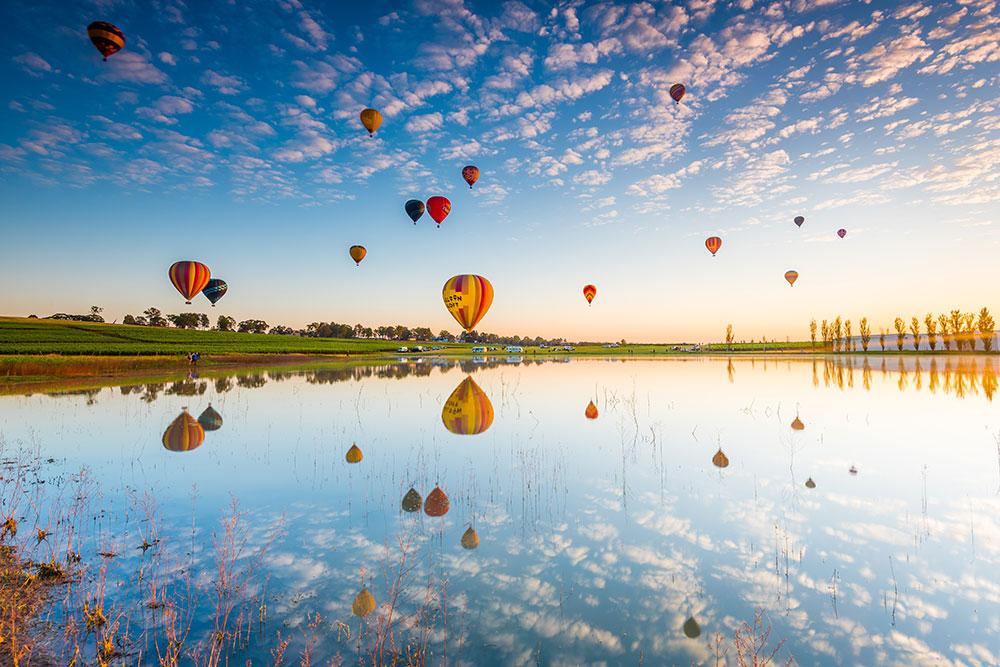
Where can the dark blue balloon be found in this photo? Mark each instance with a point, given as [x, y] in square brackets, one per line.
[414, 209]
[215, 289]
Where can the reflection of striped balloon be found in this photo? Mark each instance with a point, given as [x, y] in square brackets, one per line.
[591, 411]
[720, 460]
[791, 277]
[589, 292]
[215, 289]
[189, 278]
[107, 38]
[183, 434]
[797, 424]
[468, 297]
[713, 243]
[468, 410]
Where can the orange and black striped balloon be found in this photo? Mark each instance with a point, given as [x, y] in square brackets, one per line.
[713, 243]
[189, 278]
[791, 277]
[467, 298]
[183, 434]
[107, 38]
[589, 292]
[468, 410]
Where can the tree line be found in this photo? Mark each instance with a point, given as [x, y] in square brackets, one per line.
[956, 328]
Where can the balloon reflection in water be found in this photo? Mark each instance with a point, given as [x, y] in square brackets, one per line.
[468, 410]
[354, 454]
[591, 411]
[412, 501]
[691, 628]
[720, 460]
[436, 503]
[183, 434]
[853, 470]
[797, 424]
[810, 484]
[209, 419]
[470, 539]
[364, 603]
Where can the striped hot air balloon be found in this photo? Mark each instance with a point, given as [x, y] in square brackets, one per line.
[471, 174]
[436, 503]
[467, 297]
[720, 460]
[371, 119]
[215, 289]
[713, 243]
[591, 411]
[791, 277]
[468, 410]
[183, 434]
[677, 92]
[414, 209]
[189, 278]
[209, 419]
[108, 39]
[589, 292]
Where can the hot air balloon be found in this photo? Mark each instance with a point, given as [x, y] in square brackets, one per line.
[841, 233]
[438, 208]
[677, 92]
[470, 539]
[358, 253]
[364, 603]
[412, 501]
[853, 470]
[183, 434]
[591, 411]
[797, 424]
[691, 628]
[713, 243]
[799, 220]
[791, 277]
[107, 38]
[354, 454]
[468, 410]
[414, 209]
[436, 503]
[470, 174]
[189, 278]
[720, 460]
[215, 289]
[467, 297]
[810, 484]
[589, 292]
[371, 119]
[209, 419]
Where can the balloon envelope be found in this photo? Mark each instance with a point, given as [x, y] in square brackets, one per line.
[436, 503]
[470, 174]
[215, 289]
[412, 501]
[183, 434]
[414, 209]
[470, 539]
[797, 425]
[810, 484]
[189, 278]
[841, 233]
[591, 411]
[589, 292]
[438, 208]
[354, 454]
[371, 119]
[468, 410]
[713, 243]
[720, 460]
[467, 297]
[364, 603]
[677, 92]
[106, 38]
[210, 420]
[799, 220]
[358, 253]
[691, 628]
[791, 277]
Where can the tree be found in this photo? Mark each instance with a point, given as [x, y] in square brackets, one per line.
[812, 331]
[837, 331]
[186, 320]
[955, 322]
[900, 332]
[128, 320]
[915, 330]
[95, 314]
[826, 334]
[847, 335]
[985, 326]
[225, 323]
[253, 326]
[943, 323]
[154, 317]
[866, 333]
[931, 326]
[729, 333]
[280, 330]
[881, 338]
[969, 330]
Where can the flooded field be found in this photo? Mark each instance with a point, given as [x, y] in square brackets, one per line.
[501, 511]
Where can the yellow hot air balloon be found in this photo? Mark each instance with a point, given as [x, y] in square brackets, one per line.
[183, 434]
[364, 603]
[468, 410]
[371, 119]
[354, 454]
[467, 297]
[797, 424]
[470, 539]
[791, 277]
[358, 253]
[720, 460]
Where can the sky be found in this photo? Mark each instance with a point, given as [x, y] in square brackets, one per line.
[229, 133]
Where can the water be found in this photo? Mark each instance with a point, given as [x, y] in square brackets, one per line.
[598, 537]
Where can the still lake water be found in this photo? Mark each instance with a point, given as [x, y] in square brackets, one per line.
[599, 535]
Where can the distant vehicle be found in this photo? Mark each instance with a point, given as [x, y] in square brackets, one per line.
[418, 348]
[479, 360]
[402, 349]
[514, 360]
[614, 344]
[478, 350]
[513, 348]
[543, 347]
[606, 345]
[568, 348]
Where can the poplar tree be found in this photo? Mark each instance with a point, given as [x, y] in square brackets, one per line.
[847, 335]
[943, 323]
[931, 326]
[915, 330]
[812, 332]
[866, 333]
[985, 326]
[955, 321]
[900, 332]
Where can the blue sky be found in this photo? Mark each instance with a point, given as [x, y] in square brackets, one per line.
[228, 132]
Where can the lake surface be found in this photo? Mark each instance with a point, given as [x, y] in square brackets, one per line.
[855, 501]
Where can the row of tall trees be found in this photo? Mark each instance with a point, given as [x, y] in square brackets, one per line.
[956, 329]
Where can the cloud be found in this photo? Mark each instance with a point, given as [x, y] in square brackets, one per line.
[173, 105]
[425, 123]
[880, 108]
[227, 85]
[569, 56]
[641, 26]
[132, 67]
[888, 58]
[33, 63]
[592, 177]
[562, 90]
[166, 58]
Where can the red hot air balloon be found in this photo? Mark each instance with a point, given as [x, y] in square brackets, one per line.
[471, 174]
[436, 503]
[189, 278]
[589, 292]
[841, 233]
[677, 92]
[713, 243]
[591, 411]
[799, 220]
[438, 208]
